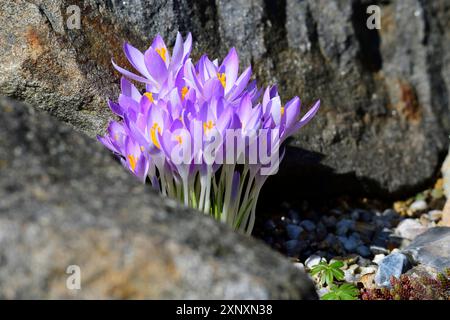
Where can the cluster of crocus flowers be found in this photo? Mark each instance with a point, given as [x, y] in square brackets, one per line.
[201, 133]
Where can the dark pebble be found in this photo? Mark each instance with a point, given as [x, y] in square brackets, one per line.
[293, 231]
[308, 225]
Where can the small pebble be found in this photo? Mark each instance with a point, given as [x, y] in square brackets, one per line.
[349, 275]
[322, 291]
[363, 251]
[366, 270]
[308, 225]
[379, 250]
[329, 221]
[343, 226]
[378, 258]
[435, 215]
[293, 231]
[293, 247]
[313, 261]
[299, 265]
[349, 243]
[418, 205]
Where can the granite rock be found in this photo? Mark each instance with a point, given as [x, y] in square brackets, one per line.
[65, 201]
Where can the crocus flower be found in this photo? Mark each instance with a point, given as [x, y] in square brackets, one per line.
[200, 132]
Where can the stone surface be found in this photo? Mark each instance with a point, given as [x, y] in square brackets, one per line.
[409, 229]
[446, 176]
[384, 92]
[65, 201]
[431, 248]
[392, 265]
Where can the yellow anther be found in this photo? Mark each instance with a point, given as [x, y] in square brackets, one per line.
[222, 78]
[179, 139]
[142, 148]
[282, 111]
[153, 134]
[132, 161]
[149, 95]
[162, 53]
[208, 125]
[184, 92]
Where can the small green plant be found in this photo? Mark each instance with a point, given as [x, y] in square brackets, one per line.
[327, 272]
[346, 291]
[331, 273]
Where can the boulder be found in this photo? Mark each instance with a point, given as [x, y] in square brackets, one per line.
[431, 249]
[65, 201]
[381, 128]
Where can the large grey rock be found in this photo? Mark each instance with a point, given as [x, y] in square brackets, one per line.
[431, 249]
[384, 93]
[65, 201]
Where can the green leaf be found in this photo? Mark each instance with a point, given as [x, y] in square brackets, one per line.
[346, 291]
[337, 264]
[338, 274]
[329, 277]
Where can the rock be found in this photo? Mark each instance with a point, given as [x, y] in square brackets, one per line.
[343, 226]
[446, 214]
[323, 291]
[392, 265]
[446, 176]
[349, 275]
[421, 271]
[431, 248]
[321, 231]
[350, 243]
[378, 258]
[65, 201]
[313, 261]
[381, 238]
[363, 251]
[378, 250]
[293, 231]
[308, 225]
[418, 205]
[299, 266]
[367, 270]
[435, 215]
[368, 280]
[409, 229]
[348, 260]
[329, 221]
[295, 247]
[381, 90]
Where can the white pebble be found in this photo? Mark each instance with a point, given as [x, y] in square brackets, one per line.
[313, 261]
[418, 205]
[378, 257]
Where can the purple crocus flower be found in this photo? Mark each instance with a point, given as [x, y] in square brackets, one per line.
[200, 131]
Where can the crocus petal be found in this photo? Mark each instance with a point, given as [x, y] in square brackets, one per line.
[131, 75]
[136, 59]
[240, 84]
[231, 66]
[156, 66]
[129, 89]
